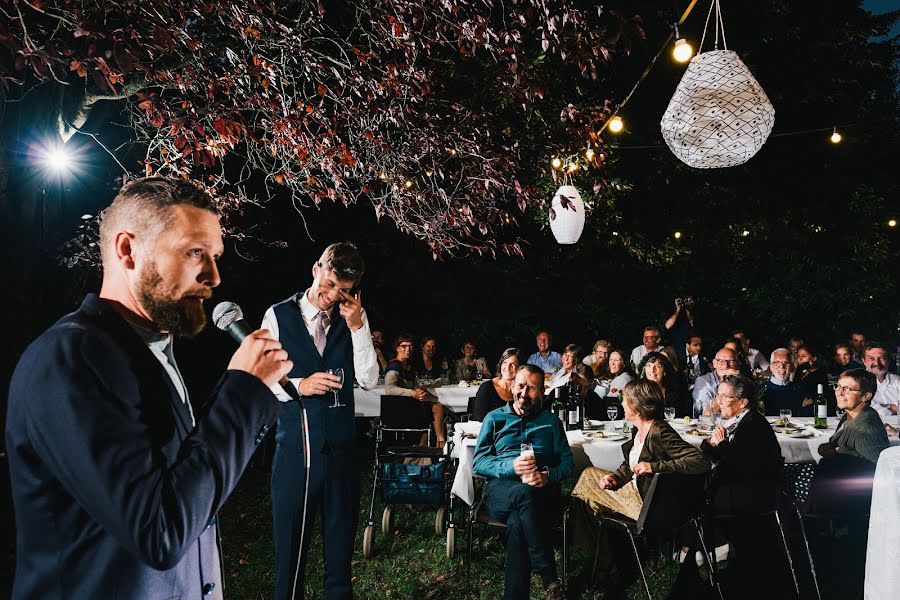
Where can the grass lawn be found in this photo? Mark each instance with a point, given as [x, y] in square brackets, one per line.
[409, 564]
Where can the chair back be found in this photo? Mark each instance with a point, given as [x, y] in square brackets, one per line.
[672, 500]
[402, 413]
[470, 406]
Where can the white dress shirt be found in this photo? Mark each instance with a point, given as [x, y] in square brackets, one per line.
[888, 392]
[756, 360]
[638, 354]
[365, 363]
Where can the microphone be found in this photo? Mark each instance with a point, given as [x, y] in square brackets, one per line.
[229, 317]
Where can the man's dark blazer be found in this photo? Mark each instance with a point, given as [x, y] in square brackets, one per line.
[115, 492]
[748, 468]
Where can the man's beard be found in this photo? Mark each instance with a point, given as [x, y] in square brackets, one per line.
[183, 316]
[878, 370]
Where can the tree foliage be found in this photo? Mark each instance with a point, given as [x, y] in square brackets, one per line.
[438, 113]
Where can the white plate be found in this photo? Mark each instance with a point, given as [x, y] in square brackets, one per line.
[615, 437]
[680, 425]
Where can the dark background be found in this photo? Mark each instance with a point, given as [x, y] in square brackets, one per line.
[819, 258]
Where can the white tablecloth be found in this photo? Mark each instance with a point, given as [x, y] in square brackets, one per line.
[368, 402]
[883, 552]
[608, 454]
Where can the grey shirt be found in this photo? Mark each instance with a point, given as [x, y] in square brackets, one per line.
[863, 436]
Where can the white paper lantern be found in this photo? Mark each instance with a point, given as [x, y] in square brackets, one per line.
[567, 221]
[719, 116]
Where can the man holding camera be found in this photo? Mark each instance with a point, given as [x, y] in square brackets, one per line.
[680, 323]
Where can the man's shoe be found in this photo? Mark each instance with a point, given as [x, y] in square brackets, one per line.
[556, 591]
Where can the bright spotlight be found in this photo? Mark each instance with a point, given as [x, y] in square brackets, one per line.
[58, 160]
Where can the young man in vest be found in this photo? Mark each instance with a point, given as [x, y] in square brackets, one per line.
[322, 328]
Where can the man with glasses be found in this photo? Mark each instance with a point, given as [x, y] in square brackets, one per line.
[877, 359]
[323, 329]
[725, 363]
[650, 343]
[780, 393]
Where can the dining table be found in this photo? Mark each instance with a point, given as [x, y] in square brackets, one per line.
[452, 395]
[799, 444]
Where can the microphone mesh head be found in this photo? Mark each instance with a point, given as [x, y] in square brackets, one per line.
[226, 313]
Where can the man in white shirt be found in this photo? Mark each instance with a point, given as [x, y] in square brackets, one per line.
[877, 357]
[755, 358]
[650, 343]
[315, 468]
[705, 387]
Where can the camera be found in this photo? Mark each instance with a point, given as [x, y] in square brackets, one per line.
[685, 302]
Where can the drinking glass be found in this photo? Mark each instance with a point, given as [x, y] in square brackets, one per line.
[612, 411]
[669, 411]
[339, 373]
[706, 414]
[785, 414]
[525, 450]
[839, 412]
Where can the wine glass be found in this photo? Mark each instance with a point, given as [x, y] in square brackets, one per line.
[339, 373]
[669, 412]
[785, 414]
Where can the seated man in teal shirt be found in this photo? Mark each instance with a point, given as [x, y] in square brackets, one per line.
[523, 491]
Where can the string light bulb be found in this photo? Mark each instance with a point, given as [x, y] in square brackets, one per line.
[836, 137]
[382, 176]
[589, 155]
[682, 51]
[892, 223]
[571, 167]
[408, 183]
[677, 235]
[616, 124]
[556, 162]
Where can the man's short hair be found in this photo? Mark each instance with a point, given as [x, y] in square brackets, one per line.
[344, 260]
[573, 348]
[540, 331]
[651, 328]
[877, 346]
[533, 370]
[742, 386]
[864, 380]
[645, 398]
[777, 351]
[145, 206]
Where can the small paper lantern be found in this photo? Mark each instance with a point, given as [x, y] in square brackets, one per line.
[719, 115]
[567, 215]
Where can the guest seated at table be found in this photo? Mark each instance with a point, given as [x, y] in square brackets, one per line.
[429, 364]
[745, 482]
[793, 346]
[619, 374]
[706, 387]
[400, 380]
[545, 358]
[843, 360]
[569, 360]
[651, 343]
[598, 359]
[586, 387]
[744, 448]
[378, 343]
[810, 372]
[471, 366]
[858, 343]
[696, 365]
[841, 488]
[743, 365]
[654, 448]
[657, 367]
[496, 392]
[524, 491]
[755, 359]
[779, 392]
[877, 358]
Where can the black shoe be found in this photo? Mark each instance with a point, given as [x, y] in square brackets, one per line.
[556, 591]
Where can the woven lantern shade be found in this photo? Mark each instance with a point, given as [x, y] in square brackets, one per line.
[719, 116]
[567, 215]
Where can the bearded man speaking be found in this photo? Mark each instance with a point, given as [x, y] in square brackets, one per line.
[116, 482]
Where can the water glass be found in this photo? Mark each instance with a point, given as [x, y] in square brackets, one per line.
[706, 414]
[785, 414]
[526, 449]
[839, 413]
[669, 411]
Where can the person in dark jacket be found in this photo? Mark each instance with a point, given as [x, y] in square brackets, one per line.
[116, 477]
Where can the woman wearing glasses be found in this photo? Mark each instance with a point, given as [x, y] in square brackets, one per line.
[400, 380]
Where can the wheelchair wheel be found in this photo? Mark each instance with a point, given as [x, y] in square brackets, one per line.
[439, 520]
[451, 542]
[387, 520]
[369, 541]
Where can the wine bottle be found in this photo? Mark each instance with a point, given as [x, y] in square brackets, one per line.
[574, 420]
[821, 418]
[557, 407]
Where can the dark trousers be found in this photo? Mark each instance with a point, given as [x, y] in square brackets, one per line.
[333, 488]
[529, 514]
